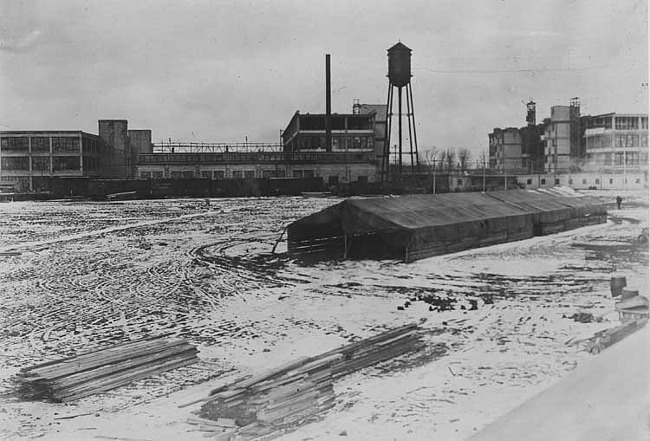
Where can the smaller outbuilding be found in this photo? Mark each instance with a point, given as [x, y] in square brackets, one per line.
[419, 226]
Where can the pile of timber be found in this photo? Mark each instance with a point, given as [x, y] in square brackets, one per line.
[273, 401]
[102, 370]
[604, 339]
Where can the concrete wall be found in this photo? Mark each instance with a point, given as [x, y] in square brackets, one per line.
[586, 181]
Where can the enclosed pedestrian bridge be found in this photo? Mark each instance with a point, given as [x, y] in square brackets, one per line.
[419, 226]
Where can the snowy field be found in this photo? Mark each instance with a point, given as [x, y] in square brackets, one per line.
[76, 276]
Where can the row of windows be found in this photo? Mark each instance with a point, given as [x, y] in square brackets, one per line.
[627, 141]
[630, 122]
[597, 181]
[221, 174]
[338, 142]
[42, 163]
[620, 141]
[65, 145]
[41, 144]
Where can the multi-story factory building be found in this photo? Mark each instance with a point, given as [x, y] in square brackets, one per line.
[617, 142]
[505, 150]
[564, 150]
[356, 143]
[29, 158]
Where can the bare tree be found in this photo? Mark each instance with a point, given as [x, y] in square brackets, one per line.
[449, 159]
[464, 157]
[428, 156]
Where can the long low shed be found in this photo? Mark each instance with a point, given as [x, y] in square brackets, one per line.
[419, 226]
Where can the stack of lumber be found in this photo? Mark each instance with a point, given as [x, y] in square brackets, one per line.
[603, 339]
[298, 391]
[102, 370]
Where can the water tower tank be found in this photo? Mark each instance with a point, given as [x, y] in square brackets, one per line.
[399, 65]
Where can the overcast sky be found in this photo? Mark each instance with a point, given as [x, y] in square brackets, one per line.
[222, 71]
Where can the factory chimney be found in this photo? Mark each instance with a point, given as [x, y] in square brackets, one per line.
[328, 105]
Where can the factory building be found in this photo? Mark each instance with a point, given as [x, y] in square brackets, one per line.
[518, 150]
[506, 150]
[617, 142]
[332, 167]
[29, 158]
[356, 144]
[564, 149]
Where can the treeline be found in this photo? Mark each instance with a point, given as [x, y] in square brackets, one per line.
[451, 159]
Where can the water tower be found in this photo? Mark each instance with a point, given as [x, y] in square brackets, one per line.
[399, 76]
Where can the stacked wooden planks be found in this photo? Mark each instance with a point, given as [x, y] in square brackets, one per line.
[275, 400]
[102, 370]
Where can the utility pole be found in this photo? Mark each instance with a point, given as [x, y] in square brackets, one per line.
[434, 176]
[505, 175]
[484, 174]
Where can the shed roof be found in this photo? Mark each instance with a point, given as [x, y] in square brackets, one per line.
[413, 212]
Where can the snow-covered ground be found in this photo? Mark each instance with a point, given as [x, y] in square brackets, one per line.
[78, 276]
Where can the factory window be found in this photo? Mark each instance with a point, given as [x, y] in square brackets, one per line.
[61, 144]
[15, 163]
[16, 144]
[237, 174]
[459, 182]
[249, 174]
[187, 174]
[145, 175]
[40, 144]
[644, 122]
[611, 181]
[543, 181]
[597, 181]
[280, 174]
[360, 142]
[584, 181]
[175, 174]
[41, 163]
[359, 123]
[557, 182]
[297, 173]
[90, 163]
[308, 173]
[632, 158]
[618, 159]
[530, 181]
[157, 174]
[644, 140]
[338, 123]
[627, 123]
[570, 181]
[206, 174]
[219, 174]
[60, 163]
[607, 159]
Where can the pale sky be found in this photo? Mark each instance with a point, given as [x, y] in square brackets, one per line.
[221, 71]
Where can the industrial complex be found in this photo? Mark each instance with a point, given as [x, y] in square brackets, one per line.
[160, 289]
[372, 144]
